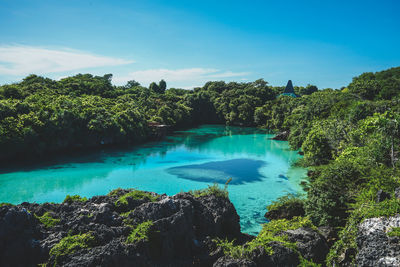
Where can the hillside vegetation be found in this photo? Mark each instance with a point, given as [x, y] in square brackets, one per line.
[350, 137]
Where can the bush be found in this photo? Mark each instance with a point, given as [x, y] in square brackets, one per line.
[268, 234]
[316, 148]
[332, 189]
[75, 198]
[140, 232]
[135, 194]
[70, 244]
[213, 190]
[115, 192]
[47, 220]
[395, 231]
[285, 207]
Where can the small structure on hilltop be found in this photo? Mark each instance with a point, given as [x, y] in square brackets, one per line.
[289, 91]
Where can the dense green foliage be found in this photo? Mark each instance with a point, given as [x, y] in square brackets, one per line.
[39, 115]
[350, 137]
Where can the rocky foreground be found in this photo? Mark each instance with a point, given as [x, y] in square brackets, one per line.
[135, 228]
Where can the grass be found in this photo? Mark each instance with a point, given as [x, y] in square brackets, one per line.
[268, 234]
[115, 192]
[126, 214]
[75, 198]
[395, 231]
[72, 243]
[135, 194]
[140, 232]
[5, 204]
[47, 220]
[212, 190]
[288, 202]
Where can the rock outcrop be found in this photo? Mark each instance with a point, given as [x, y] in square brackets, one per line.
[135, 228]
[282, 136]
[183, 227]
[311, 244]
[375, 246]
[286, 212]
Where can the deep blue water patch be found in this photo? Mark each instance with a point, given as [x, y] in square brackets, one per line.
[240, 170]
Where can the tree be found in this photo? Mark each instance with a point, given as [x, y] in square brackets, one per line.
[316, 147]
[308, 90]
[154, 87]
[162, 86]
[131, 83]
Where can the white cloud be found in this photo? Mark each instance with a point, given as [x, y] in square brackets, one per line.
[22, 60]
[192, 75]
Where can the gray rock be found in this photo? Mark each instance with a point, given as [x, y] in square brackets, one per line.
[231, 262]
[397, 193]
[375, 247]
[19, 237]
[381, 196]
[311, 244]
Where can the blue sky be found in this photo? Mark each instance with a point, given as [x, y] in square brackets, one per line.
[187, 43]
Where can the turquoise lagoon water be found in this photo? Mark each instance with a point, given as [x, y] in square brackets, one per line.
[261, 170]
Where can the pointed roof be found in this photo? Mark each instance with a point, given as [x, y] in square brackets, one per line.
[289, 88]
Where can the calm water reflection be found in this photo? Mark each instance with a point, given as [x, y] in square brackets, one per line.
[260, 169]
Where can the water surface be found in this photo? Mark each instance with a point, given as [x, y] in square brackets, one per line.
[260, 168]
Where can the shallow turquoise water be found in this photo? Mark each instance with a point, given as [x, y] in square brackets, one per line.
[260, 168]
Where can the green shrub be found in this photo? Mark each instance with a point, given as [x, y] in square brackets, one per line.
[316, 147]
[331, 191]
[75, 198]
[72, 243]
[135, 194]
[288, 205]
[47, 220]
[213, 190]
[395, 231]
[307, 263]
[386, 208]
[268, 234]
[140, 232]
[284, 201]
[126, 214]
[115, 192]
